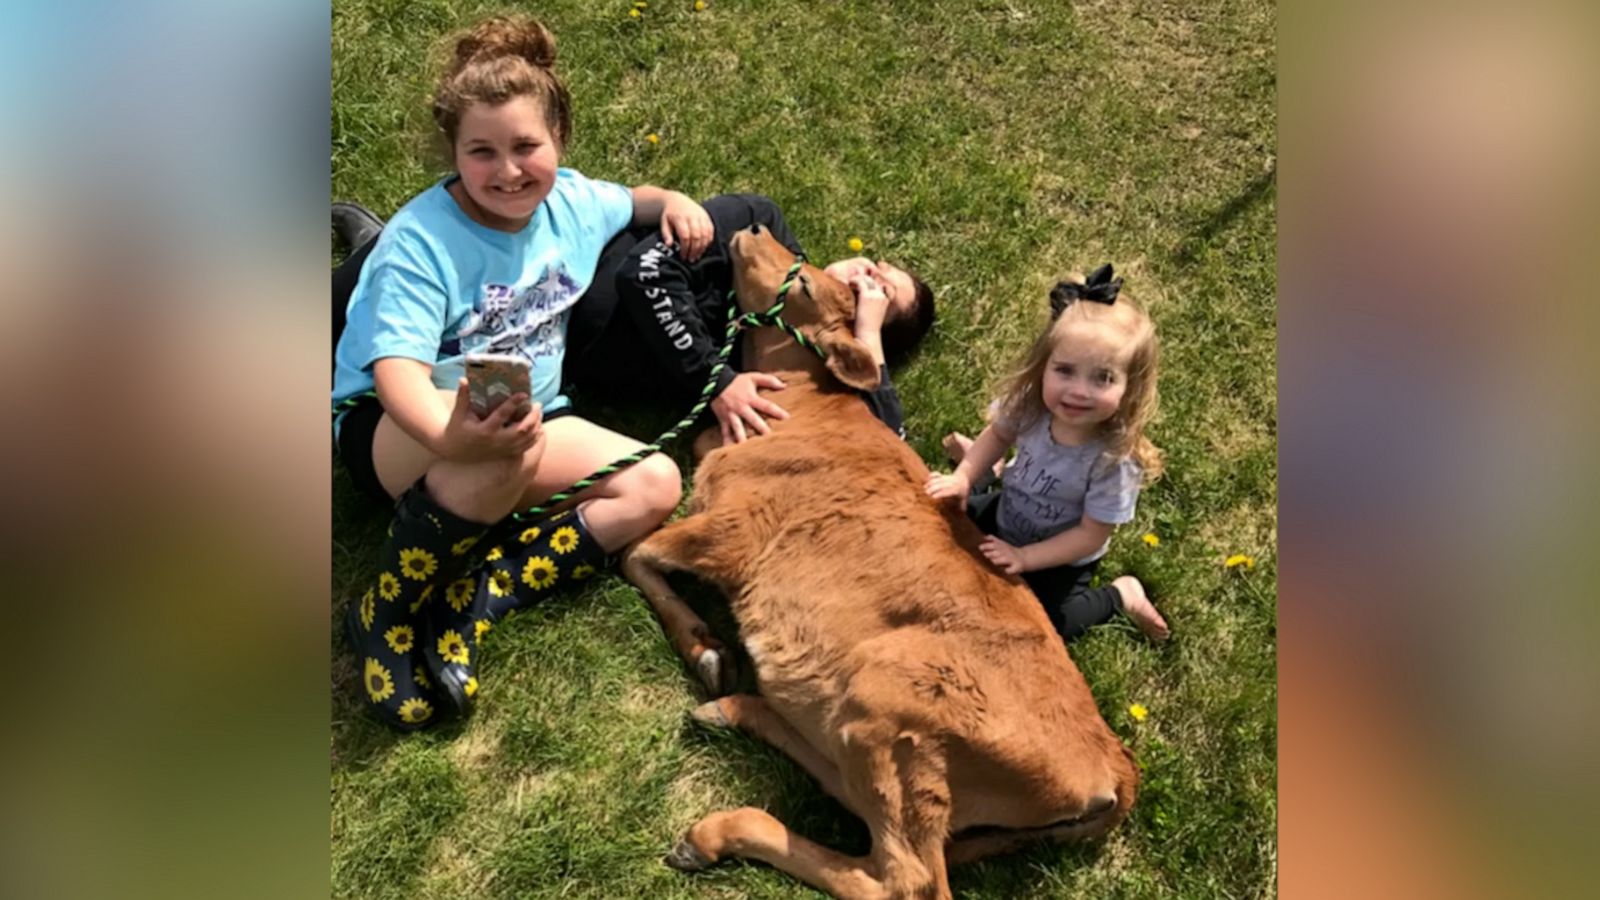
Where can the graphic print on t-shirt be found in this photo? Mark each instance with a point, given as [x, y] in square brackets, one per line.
[506, 320]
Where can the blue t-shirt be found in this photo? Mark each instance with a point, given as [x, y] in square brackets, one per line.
[438, 285]
[1050, 487]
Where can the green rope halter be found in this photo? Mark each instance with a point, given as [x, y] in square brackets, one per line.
[772, 316]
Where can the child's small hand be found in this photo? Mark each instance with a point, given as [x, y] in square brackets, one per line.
[942, 487]
[741, 402]
[468, 438]
[686, 225]
[872, 304]
[1005, 557]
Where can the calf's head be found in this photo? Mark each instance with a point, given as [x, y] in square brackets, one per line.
[819, 306]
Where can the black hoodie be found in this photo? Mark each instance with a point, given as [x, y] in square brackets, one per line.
[651, 324]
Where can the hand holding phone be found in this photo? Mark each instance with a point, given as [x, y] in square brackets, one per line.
[468, 437]
[493, 378]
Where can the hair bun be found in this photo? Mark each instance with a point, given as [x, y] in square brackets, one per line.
[507, 36]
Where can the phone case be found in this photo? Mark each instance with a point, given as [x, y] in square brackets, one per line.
[491, 380]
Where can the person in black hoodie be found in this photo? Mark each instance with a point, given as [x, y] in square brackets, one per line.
[652, 323]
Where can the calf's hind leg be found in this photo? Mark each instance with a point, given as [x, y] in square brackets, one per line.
[679, 547]
[754, 716]
[755, 834]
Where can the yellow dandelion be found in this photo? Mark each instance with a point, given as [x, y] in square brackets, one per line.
[380, 684]
[1151, 539]
[388, 586]
[459, 594]
[1138, 712]
[539, 573]
[481, 628]
[582, 572]
[453, 648]
[495, 553]
[460, 548]
[653, 138]
[367, 610]
[415, 710]
[856, 245]
[699, 5]
[417, 564]
[399, 638]
[1239, 559]
[471, 687]
[530, 535]
[501, 582]
[634, 13]
[564, 540]
[420, 676]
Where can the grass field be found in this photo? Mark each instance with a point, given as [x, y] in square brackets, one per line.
[991, 147]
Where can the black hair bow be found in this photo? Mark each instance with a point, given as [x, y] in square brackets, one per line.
[1100, 288]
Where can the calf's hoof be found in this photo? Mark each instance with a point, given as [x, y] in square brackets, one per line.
[710, 715]
[715, 668]
[685, 858]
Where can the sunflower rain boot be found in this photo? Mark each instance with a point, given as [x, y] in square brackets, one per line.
[426, 547]
[529, 565]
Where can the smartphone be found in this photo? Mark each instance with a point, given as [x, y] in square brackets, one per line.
[493, 377]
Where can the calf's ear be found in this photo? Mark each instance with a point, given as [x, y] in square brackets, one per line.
[848, 359]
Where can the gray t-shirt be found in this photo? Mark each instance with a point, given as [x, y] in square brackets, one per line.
[1049, 488]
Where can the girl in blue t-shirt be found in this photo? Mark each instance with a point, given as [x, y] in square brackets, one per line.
[490, 259]
[1075, 411]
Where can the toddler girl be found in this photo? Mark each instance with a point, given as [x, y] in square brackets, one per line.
[1075, 412]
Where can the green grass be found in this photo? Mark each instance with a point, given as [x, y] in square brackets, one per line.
[991, 147]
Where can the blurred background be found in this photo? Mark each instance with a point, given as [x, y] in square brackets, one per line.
[163, 375]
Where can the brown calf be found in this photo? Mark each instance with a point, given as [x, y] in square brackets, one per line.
[922, 689]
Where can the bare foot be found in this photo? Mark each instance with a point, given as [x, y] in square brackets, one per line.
[955, 447]
[1136, 606]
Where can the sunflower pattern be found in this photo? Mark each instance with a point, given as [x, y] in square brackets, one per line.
[584, 570]
[480, 628]
[459, 594]
[453, 648]
[494, 553]
[539, 573]
[529, 535]
[415, 711]
[400, 639]
[471, 687]
[565, 540]
[500, 582]
[417, 564]
[425, 556]
[379, 683]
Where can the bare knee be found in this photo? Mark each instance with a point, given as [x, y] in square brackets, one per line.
[658, 485]
[482, 491]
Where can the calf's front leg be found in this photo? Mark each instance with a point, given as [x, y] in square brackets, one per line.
[670, 549]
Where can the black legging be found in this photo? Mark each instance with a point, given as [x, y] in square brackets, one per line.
[1063, 591]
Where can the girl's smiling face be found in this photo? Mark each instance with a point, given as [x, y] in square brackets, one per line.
[1086, 375]
[507, 159]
